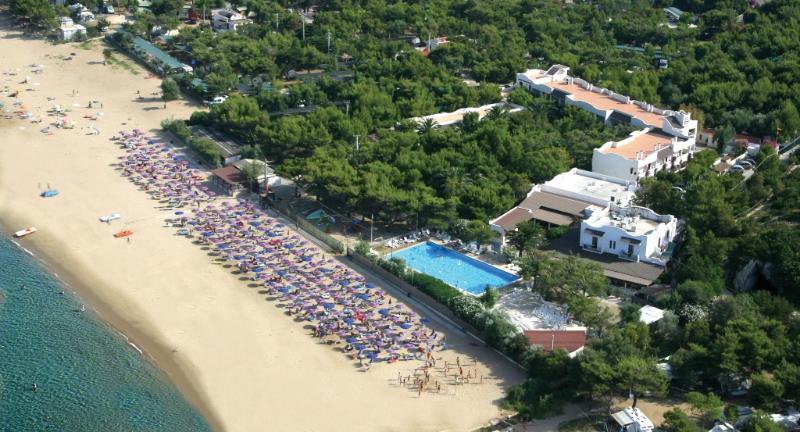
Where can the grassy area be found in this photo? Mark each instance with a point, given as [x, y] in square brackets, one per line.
[592, 422]
[122, 64]
[86, 45]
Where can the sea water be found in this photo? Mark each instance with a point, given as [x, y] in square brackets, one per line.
[88, 377]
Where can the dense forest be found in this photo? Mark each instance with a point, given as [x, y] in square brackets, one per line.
[438, 175]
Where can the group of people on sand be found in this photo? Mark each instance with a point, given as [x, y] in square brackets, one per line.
[430, 378]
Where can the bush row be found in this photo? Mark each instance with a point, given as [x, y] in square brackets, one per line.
[204, 147]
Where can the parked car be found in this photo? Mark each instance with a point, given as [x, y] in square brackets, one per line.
[108, 9]
[746, 164]
[218, 100]
[736, 169]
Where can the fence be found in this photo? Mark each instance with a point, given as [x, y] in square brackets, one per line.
[308, 227]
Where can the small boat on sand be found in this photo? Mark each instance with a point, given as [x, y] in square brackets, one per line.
[110, 217]
[49, 193]
[123, 233]
[24, 232]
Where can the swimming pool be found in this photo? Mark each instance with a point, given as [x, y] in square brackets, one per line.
[453, 268]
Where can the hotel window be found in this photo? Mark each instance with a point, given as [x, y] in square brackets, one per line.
[612, 244]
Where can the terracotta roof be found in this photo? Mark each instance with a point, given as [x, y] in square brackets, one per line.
[604, 102]
[229, 174]
[645, 143]
[569, 340]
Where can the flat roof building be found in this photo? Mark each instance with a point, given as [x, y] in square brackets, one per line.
[666, 139]
[631, 233]
[565, 199]
[632, 420]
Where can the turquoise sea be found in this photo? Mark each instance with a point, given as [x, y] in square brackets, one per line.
[88, 377]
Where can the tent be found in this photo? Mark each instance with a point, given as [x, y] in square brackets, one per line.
[320, 217]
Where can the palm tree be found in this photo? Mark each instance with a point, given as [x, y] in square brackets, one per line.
[527, 237]
[427, 126]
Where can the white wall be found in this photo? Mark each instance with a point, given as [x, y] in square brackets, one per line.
[614, 165]
[649, 246]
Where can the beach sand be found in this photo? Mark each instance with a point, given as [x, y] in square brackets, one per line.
[235, 356]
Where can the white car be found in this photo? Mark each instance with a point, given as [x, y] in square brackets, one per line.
[218, 100]
[110, 217]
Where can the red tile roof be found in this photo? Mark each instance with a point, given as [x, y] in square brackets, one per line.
[569, 340]
[513, 217]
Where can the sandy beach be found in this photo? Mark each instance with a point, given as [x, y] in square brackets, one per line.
[236, 357]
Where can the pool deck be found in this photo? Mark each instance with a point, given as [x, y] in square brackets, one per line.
[507, 268]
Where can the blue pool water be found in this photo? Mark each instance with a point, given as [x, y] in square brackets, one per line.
[88, 378]
[453, 268]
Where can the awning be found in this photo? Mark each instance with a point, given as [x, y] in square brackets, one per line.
[611, 274]
[632, 240]
[595, 232]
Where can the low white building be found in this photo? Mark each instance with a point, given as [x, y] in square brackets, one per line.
[565, 199]
[650, 314]
[631, 233]
[68, 29]
[642, 154]
[85, 16]
[227, 20]
[457, 116]
[633, 420]
[637, 159]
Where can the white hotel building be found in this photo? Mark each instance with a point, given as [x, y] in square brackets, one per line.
[631, 233]
[666, 140]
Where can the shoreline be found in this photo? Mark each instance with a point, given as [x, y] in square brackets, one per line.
[232, 355]
[147, 344]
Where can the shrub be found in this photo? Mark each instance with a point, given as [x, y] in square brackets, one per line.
[467, 308]
[178, 128]
[489, 297]
[362, 248]
[556, 232]
[442, 292]
[169, 89]
[206, 149]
